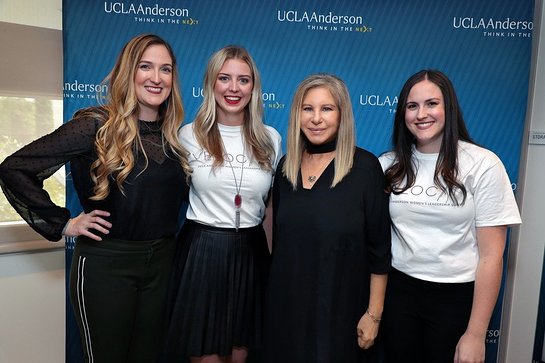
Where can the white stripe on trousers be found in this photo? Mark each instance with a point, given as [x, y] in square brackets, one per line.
[82, 312]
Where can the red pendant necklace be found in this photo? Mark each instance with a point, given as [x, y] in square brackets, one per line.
[238, 198]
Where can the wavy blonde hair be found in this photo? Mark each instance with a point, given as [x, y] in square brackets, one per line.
[118, 139]
[205, 126]
[346, 139]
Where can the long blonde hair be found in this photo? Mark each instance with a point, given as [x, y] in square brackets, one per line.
[205, 126]
[119, 138]
[346, 139]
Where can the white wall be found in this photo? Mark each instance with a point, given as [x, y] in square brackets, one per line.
[40, 13]
[32, 307]
[528, 243]
[32, 284]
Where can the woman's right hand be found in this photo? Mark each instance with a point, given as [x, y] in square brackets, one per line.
[80, 225]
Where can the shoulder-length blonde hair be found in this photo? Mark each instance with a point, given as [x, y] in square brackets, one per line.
[346, 139]
[206, 129]
[118, 139]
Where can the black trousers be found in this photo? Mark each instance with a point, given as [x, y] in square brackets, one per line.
[423, 321]
[118, 292]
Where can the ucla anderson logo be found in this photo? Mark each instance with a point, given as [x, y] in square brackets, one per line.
[294, 16]
[139, 9]
[328, 21]
[386, 102]
[78, 89]
[492, 27]
[151, 13]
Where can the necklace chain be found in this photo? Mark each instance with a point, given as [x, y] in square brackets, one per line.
[238, 185]
[311, 178]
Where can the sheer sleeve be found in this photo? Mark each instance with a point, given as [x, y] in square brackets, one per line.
[22, 174]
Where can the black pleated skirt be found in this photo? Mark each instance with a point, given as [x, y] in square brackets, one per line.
[217, 290]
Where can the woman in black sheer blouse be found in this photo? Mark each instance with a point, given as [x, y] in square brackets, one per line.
[129, 173]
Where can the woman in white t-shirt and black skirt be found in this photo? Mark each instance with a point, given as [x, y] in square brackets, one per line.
[223, 259]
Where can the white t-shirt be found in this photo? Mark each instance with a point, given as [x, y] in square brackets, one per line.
[432, 238]
[212, 193]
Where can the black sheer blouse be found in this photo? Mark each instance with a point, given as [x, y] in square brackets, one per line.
[148, 210]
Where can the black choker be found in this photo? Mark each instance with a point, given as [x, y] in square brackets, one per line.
[322, 148]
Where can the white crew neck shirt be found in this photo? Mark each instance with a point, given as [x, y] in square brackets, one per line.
[212, 192]
[432, 238]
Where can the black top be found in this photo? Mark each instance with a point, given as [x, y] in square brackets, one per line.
[148, 210]
[327, 241]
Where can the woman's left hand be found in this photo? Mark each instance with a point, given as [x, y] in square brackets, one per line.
[470, 349]
[367, 331]
[84, 223]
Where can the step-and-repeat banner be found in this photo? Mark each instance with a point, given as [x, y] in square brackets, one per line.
[484, 46]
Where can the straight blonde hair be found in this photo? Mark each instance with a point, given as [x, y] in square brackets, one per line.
[346, 139]
[206, 129]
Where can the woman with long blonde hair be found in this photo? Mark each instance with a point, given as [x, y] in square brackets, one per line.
[129, 172]
[223, 258]
[331, 240]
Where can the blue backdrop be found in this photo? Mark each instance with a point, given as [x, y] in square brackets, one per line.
[484, 46]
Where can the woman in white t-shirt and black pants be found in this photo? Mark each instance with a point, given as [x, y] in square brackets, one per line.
[450, 203]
